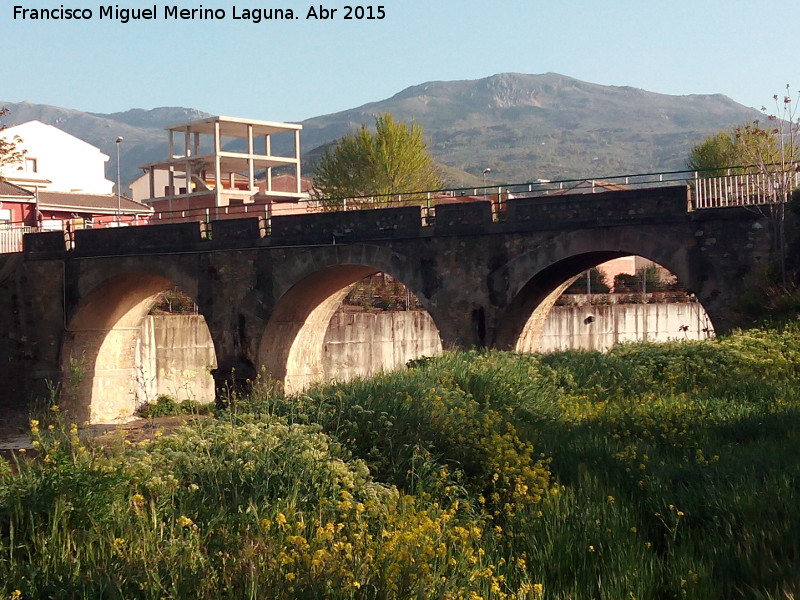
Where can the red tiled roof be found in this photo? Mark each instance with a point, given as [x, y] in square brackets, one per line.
[9, 189]
[90, 203]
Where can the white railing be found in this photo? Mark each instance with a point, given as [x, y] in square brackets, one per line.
[11, 238]
[751, 189]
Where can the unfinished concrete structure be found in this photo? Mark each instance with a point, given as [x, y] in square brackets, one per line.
[213, 162]
[72, 316]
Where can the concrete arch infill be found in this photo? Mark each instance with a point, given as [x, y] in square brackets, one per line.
[102, 379]
[521, 325]
[291, 349]
[536, 278]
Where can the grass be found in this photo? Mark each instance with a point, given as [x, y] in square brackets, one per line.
[650, 472]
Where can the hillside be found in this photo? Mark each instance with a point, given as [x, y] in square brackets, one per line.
[546, 126]
[523, 127]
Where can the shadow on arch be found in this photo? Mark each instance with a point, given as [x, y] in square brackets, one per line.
[596, 300]
[113, 354]
[295, 350]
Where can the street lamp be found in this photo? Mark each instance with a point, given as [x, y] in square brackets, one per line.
[119, 183]
[485, 171]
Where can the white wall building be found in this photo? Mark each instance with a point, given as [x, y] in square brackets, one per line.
[56, 161]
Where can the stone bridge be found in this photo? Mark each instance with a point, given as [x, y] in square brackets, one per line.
[71, 317]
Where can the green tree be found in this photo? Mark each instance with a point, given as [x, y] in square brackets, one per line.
[773, 153]
[596, 280]
[647, 279]
[717, 151]
[739, 150]
[393, 160]
[9, 149]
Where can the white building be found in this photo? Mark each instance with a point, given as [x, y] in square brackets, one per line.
[56, 161]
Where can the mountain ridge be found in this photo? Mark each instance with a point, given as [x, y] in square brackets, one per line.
[521, 126]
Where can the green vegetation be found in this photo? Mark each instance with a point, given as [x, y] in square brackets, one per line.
[743, 149]
[597, 283]
[393, 160]
[165, 405]
[650, 472]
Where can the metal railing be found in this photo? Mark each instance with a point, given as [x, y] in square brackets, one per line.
[11, 238]
[708, 190]
[743, 189]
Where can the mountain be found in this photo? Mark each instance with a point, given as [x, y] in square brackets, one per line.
[523, 127]
[547, 126]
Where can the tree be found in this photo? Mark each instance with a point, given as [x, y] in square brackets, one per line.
[717, 151]
[9, 151]
[597, 283]
[646, 279]
[771, 152]
[393, 160]
[738, 150]
[782, 166]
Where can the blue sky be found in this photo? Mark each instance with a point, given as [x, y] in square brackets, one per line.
[292, 70]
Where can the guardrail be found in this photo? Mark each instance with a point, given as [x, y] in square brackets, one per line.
[11, 238]
[715, 191]
[748, 189]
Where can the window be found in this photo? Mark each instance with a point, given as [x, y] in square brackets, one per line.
[31, 165]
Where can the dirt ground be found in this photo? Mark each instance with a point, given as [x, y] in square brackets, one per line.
[15, 430]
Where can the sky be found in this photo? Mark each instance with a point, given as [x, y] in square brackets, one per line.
[290, 70]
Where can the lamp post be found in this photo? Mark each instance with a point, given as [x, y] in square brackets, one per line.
[119, 184]
[485, 171]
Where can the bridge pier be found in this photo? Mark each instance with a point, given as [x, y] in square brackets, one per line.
[233, 378]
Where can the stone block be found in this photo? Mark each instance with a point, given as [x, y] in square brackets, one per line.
[344, 226]
[235, 233]
[47, 244]
[600, 208]
[137, 240]
[463, 217]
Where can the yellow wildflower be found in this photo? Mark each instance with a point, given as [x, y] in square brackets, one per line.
[184, 521]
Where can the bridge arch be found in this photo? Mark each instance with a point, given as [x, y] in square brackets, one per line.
[538, 277]
[291, 347]
[102, 375]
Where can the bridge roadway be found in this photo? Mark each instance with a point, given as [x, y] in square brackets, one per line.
[72, 317]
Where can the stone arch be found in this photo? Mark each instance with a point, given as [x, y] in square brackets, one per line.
[292, 343]
[538, 277]
[99, 378]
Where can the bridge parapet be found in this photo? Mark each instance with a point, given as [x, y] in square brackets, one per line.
[133, 240]
[333, 227]
[600, 208]
[230, 233]
[44, 245]
[463, 217]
